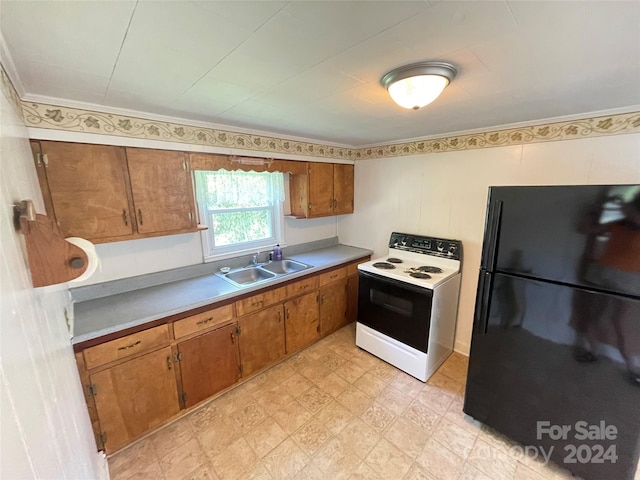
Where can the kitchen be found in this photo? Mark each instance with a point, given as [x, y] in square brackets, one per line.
[440, 194]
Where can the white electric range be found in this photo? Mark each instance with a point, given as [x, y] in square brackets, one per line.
[408, 303]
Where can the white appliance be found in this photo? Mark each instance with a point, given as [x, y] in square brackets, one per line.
[408, 303]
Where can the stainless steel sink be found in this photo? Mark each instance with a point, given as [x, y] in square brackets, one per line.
[244, 277]
[249, 275]
[282, 267]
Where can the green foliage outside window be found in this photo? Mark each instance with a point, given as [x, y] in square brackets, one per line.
[239, 206]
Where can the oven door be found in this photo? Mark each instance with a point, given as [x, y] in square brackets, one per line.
[397, 309]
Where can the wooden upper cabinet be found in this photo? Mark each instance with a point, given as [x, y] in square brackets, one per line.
[343, 180]
[88, 189]
[320, 189]
[162, 190]
[326, 189]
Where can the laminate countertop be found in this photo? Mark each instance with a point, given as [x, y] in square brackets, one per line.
[112, 313]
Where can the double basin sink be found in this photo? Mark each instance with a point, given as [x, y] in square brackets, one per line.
[247, 276]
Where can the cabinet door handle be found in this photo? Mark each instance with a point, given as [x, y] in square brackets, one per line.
[140, 216]
[233, 338]
[288, 314]
[279, 317]
[130, 346]
[331, 203]
[169, 366]
[204, 322]
[125, 219]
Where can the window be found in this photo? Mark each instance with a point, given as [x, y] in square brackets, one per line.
[243, 211]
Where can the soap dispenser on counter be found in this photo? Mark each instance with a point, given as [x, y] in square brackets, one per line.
[277, 253]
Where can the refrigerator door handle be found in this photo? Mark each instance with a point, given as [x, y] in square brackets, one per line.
[483, 300]
[493, 231]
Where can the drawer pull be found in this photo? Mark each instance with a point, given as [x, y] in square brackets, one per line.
[205, 321]
[258, 303]
[130, 346]
[335, 275]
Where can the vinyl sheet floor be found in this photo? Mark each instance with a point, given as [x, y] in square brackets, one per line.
[332, 411]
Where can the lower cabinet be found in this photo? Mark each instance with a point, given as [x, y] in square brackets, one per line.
[262, 339]
[135, 396]
[333, 307]
[352, 298]
[302, 326]
[208, 364]
[137, 382]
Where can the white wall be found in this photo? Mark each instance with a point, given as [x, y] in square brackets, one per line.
[444, 194]
[45, 430]
[148, 255]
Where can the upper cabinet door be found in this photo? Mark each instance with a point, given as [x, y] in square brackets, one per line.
[88, 188]
[162, 190]
[343, 188]
[320, 189]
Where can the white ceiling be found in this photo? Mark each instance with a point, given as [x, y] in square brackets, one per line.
[312, 69]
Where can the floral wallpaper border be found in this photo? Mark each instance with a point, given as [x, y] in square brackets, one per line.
[78, 120]
[9, 91]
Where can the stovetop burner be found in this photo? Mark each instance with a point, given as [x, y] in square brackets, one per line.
[384, 265]
[429, 269]
[419, 275]
[394, 260]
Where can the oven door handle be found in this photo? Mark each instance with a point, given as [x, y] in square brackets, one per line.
[397, 283]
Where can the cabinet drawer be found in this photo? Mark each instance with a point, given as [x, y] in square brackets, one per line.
[352, 268]
[303, 286]
[202, 321]
[126, 346]
[260, 301]
[332, 276]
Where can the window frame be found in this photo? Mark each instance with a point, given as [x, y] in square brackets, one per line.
[212, 253]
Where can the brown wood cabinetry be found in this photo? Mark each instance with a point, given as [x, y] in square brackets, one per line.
[162, 190]
[333, 300]
[327, 189]
[343, 188]
[333, 306]
[262, 339]
[320, 189]
[137, 382]
[208, 364]
[108, 193]
[86, 187]
[126, 346]
[301, 321]
[133, 397]
[260, 301]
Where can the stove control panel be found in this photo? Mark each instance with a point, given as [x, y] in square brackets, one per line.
[438, 247]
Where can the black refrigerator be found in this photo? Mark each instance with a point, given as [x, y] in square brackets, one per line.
[555, 350]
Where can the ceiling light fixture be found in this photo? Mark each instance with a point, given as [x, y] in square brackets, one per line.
[416, 85]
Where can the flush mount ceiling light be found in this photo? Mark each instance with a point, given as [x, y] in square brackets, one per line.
[416, 85]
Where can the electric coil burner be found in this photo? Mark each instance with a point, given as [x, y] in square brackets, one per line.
[407, 316]
[420, 275]
[384, 265]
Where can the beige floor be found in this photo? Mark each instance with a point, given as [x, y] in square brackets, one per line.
[331, 411]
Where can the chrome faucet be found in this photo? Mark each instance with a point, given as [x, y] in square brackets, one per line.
[254, 259]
